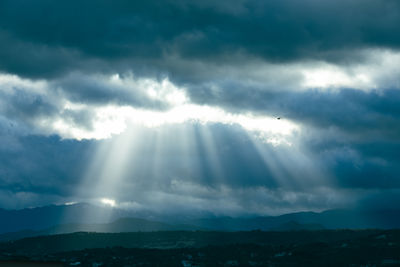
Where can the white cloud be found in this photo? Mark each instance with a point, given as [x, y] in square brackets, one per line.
[380, 70]
[109, 119]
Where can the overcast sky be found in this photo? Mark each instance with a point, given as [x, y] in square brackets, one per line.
[230, 107]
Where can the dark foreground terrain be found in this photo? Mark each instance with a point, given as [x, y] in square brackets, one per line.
[199, 248]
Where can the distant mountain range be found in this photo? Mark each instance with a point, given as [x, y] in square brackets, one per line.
[57, 219]
[48, 216]
[331, 219]
[118, 226]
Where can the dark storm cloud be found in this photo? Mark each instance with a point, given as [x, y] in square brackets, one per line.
[43, 38]
[35, 59]
[366, 114]
[369, 165]
[214, 51]
[23, 107]
[42, 165]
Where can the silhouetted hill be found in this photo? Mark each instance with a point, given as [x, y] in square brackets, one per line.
[331, 219]
[118, 226]
[48, 216]
[71, 218]
[295, 226]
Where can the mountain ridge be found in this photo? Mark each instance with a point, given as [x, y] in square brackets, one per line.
[92, 217]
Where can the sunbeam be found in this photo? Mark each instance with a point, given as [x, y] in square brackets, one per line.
[212, 155]
[291, 167]
[174, 159]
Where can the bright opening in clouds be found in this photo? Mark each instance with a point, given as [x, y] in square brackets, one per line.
[108, 202]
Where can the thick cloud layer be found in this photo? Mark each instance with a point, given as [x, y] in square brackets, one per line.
[183, 100]
[48, 38]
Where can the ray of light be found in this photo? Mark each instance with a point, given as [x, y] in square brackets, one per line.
[107, 173]
[212, 156]
[169, 158]
[170, 150]
[292, 167]
[165, 165]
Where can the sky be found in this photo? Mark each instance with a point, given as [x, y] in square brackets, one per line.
[236, 107]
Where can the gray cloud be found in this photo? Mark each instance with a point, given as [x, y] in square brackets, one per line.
[241, 56]
[22, 107]
[42, 165]
[57, 37]
[100, 90]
